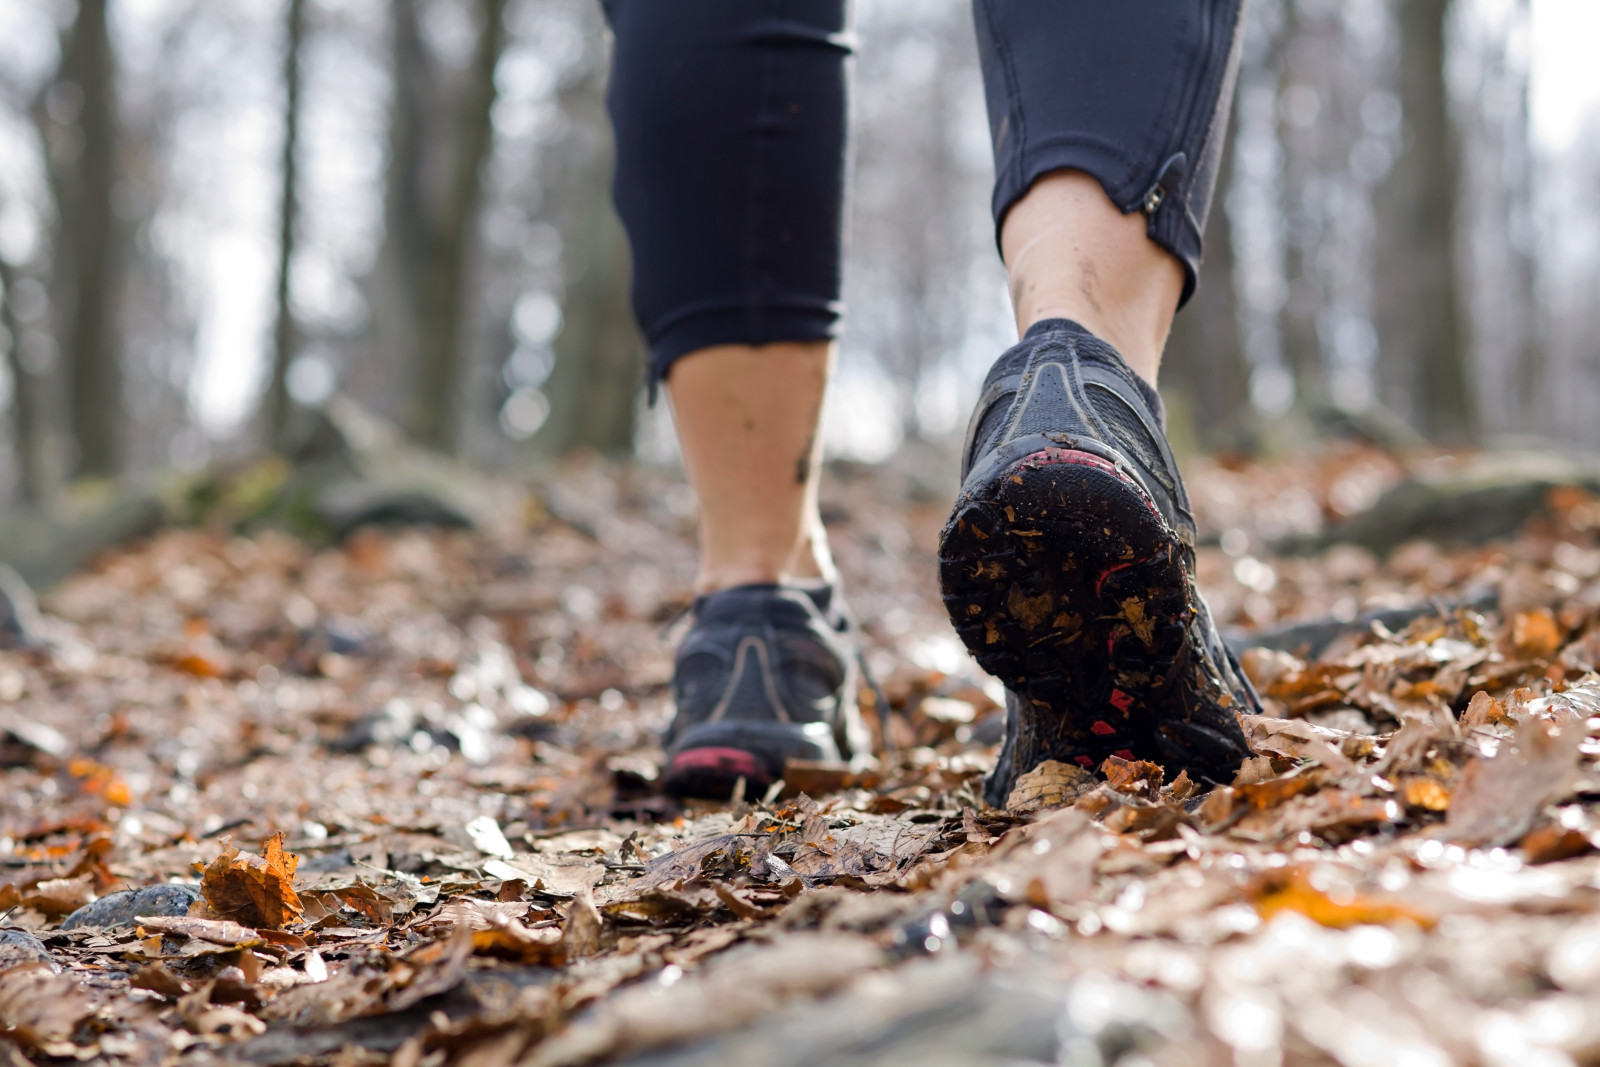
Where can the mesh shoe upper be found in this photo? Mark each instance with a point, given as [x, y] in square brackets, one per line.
[768, 654]
[1067, 568]
[1061, 386]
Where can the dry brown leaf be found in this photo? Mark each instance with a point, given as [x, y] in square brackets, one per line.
[253, 890]
[1134, 777]
[1498, 799]
[40, 1009]
[217, 931]
[559, 875]
[1292, 890]
[506, 938]
[1536, 634]
[56, 897]
[1429, 794]
[1553, 842]
[1050, 785]
[583, 932]
[1274, 791]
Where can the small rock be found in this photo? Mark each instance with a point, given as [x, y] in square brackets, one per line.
[19, 946]
[120, 909]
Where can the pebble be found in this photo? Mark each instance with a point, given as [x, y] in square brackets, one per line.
[19, 946]
[120, 909]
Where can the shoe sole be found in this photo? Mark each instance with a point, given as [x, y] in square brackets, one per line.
[710, 758]
[1065, 583]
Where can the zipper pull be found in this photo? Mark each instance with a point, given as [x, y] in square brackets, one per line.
[1166, 183]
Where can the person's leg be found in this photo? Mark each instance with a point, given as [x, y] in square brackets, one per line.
[731, 126]
[747, 419]
[1067, 566]
[1071, 254]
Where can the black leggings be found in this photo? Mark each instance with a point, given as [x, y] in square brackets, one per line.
[731, 121]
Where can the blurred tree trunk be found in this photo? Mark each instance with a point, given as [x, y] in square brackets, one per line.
[1301, 51]
[1420, 336]
[78, 114]
[437, 231]
[593, 389]
[1530, 363]
[284, 331]
[27, 441]
[1204, 365]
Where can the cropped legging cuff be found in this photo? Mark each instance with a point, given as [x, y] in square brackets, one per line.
[732, 135]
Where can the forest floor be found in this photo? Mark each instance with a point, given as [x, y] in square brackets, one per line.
[394, 801]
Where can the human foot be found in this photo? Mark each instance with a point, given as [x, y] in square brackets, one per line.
[766, 674]
[1067, 568]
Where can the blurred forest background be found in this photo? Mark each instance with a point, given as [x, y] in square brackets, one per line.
[215, 215]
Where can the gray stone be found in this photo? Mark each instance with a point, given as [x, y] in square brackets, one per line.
[120, 909]
[19, 946]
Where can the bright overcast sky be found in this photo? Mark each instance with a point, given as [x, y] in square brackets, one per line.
[1566, 79]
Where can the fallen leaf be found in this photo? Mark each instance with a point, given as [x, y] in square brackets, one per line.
[57, 897]
[1428, 794]
[253, 890]
[217, 931]
[506, 938]
[488, 838]
[1553, 842]
[1536, 634]
[1498, 799]
[561, 875]
[40, 1009]
[817, 777]
[1134, 777]
[1050, 785]
[1292, 890]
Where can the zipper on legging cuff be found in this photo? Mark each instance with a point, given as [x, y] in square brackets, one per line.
[1166, 184]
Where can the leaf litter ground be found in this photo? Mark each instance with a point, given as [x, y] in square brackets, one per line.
[394, 801]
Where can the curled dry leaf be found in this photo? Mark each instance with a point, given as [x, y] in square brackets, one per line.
[253, 890]
[1134, 777]
[1050, 785]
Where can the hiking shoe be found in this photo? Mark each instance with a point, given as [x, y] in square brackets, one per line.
[1067, 568]
[767, 673]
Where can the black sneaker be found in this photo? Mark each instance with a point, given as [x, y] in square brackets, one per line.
[766, 674]
[1067, 567]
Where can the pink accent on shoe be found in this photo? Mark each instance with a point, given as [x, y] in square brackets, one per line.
[1101, 727]
[1084, 761]
[729, 762]
[1121, 701]
[1051, 457]
[1125, 753]
[1109, 571]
